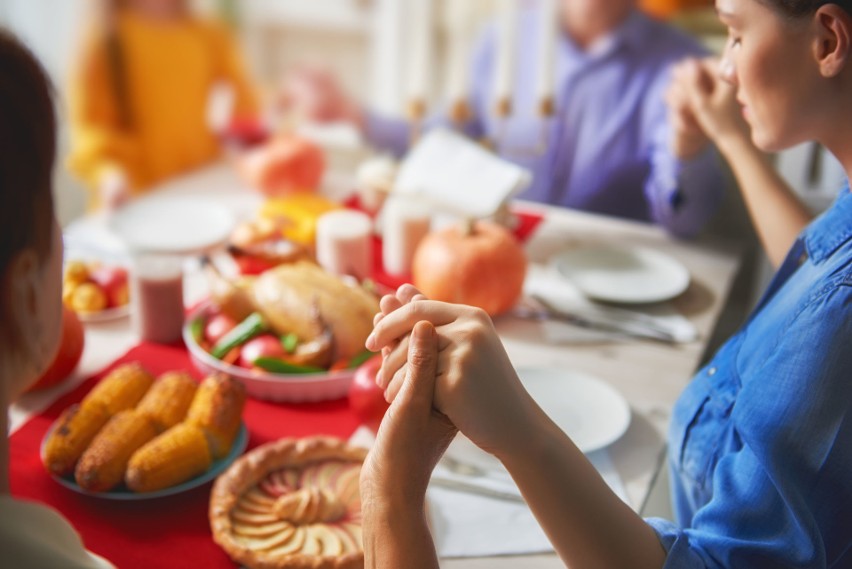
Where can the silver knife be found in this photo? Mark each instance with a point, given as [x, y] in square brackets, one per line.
[635, 330]
[474, 488]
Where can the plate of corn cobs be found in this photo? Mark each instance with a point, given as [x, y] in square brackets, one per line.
[134, 436]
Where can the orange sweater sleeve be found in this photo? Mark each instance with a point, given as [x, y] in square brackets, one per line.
[98, 141]
[232, 68]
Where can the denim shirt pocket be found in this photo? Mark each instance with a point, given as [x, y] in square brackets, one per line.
[702, 416]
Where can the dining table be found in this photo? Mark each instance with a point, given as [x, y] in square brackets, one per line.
[648, 374]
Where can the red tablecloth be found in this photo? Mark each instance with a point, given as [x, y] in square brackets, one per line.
[166, 532]
[170, 531]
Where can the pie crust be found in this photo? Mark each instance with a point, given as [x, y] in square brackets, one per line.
[291, 504]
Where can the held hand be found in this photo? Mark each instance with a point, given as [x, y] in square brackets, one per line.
[477, 387]
[687, 137]
[316, 95]
[413, 435]
[114, 189]
[712, 101]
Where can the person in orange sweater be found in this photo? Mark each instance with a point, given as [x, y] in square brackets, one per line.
[139, 95]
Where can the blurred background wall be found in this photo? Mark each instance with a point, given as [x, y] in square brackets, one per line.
[368, 44]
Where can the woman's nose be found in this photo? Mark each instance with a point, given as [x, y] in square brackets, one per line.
[727, 70]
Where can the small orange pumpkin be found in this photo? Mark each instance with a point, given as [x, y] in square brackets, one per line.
[284, 165]
[480, 264]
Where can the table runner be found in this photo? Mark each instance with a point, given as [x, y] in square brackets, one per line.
[167, 532]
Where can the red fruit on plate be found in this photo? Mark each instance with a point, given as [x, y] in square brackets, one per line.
[264, 346]
[69, 354]
[366, 399]
[113, 281]
[217, 326]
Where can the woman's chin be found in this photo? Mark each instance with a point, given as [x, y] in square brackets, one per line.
[767, 142]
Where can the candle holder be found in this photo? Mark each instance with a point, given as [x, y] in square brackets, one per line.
[545, 111]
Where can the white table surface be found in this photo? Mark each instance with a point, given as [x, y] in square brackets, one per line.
[650, 375]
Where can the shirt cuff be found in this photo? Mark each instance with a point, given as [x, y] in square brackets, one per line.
[687, 172]
[387, 133]
[676, 543]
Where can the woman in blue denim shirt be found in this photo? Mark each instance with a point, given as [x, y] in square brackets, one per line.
[761, 440]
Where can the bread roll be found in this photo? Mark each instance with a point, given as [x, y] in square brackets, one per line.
[167, 402]
[103, 464]
[173, 457]
[71, 434]
[217, 408]
[122, 388]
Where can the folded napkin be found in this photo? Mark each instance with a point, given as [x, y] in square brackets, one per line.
[472, 524]
[458, 175]
[545, 282]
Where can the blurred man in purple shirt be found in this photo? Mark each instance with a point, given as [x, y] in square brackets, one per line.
[613, 145]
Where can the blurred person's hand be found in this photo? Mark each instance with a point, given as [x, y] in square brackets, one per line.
[688, 138]
[712, 101]
[316, 95]
[114, 189]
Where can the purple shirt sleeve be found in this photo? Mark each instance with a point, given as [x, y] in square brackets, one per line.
[682, 195]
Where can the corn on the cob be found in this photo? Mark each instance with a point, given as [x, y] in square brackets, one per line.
[103, 464]
[72, 432]
[177, 455]
[217, 408]
[122, 388]
[167, 402]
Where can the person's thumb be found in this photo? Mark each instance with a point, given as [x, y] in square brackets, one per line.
[418, 387]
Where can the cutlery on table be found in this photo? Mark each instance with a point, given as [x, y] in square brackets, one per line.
[466, 477]
[618, 323]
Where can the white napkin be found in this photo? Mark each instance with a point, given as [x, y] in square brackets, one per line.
[545, 282]
[467, 524]
[458, 175]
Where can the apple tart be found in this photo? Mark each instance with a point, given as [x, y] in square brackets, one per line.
[292, 503]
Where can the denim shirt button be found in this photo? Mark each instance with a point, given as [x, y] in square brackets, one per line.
[712, 371]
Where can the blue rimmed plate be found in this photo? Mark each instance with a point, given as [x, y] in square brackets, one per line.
[123, 493]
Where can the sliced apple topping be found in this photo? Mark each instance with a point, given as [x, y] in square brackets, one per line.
[309, 505]
[329, 540]
[296, 543]
[280, 538]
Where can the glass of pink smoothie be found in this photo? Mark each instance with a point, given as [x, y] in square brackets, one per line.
[156, 286]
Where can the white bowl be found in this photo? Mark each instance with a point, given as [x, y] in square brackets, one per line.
[293, 388]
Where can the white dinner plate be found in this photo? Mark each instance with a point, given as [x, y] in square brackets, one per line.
[590, 411]
[632, 275]
[173, 225]
[106, 315]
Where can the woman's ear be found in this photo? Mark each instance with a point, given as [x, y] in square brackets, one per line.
[22, 280]
[834, 39]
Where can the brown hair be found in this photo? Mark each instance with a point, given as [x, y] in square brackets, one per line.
[799, 8]
[27, 149]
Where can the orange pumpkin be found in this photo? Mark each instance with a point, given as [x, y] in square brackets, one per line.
[284, 165]
[480, 264]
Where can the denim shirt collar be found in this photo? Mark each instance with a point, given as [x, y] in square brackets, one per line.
[830, 230]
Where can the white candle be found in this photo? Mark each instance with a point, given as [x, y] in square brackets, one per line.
[457, 80]
[420, 68]
[504, 78]
[547, 38]
[405, 221]
[344, 243]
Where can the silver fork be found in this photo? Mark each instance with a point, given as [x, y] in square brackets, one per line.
[541, 309]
